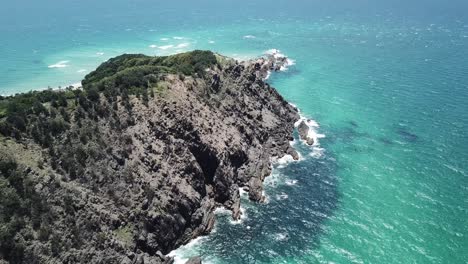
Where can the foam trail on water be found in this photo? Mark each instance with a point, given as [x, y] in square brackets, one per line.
[183, 253]
[183, 45]
[60, 64]
[165, 47]
[281, 236]
[243, 193]
[282, 196]
[291, 182]
[249, 37]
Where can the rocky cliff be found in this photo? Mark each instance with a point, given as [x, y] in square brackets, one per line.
[134, 164]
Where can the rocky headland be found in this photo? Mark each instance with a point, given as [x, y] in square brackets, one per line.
[133, 165]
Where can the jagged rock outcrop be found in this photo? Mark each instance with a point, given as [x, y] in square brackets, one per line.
[146, 176]
[303, 130]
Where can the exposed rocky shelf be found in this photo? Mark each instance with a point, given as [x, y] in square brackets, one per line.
[134, 165]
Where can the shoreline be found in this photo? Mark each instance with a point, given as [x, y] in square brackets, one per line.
[280, 64]
[275, 163]
[73, 86]
[266, 156]
[286, 63]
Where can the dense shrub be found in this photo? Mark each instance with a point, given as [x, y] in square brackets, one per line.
[45, 115]
[19, 204]
[133, 72]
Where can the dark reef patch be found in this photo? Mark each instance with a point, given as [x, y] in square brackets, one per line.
[407, 135]
[386, 141]
[353, 124]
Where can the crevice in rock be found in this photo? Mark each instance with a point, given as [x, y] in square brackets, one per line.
[207, 160]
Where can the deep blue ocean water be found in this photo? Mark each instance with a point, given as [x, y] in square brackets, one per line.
[387, 82]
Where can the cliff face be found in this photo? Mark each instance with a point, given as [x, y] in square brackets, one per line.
[131, 178]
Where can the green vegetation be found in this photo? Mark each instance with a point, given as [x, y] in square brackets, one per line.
[44, 115]
[66, 124]
[134, 73]
[125, 234]
[20, 207]
[38, 113]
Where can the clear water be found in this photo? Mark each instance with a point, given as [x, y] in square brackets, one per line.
[386, 80]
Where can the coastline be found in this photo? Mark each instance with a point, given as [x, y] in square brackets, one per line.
[185, 252]
[72, 86]
[275, 62]
[257, 163]
[217, 171]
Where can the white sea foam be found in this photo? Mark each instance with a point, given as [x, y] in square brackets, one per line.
[268, 75]
[153, 46]
[271, 51]
[164, 39]
[317, 151]
[290, 62]
[249, 37]
[292, 143]
[183, 45]
[266, 198]
[313, 126]
[224, 211]
[60, 64]
[285, 159]
[282, 196]
[281, 236]
[242, 192]
[291, 182]
[242, 217]
[282, 162]
[211, 41]
[81, 70]
[165, 47]
[276, 53]
[279, 55]
[99, 53]
[178, 37]
[183, 253]
[76, 85]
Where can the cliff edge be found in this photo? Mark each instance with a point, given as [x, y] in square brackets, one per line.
[133, 165]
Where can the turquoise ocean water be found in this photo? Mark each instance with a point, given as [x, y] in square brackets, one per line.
[387, 82]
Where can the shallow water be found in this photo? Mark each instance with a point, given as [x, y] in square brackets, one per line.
[386, 81]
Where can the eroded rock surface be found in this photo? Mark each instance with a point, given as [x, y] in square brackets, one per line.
[303, 130]
[152, 176]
